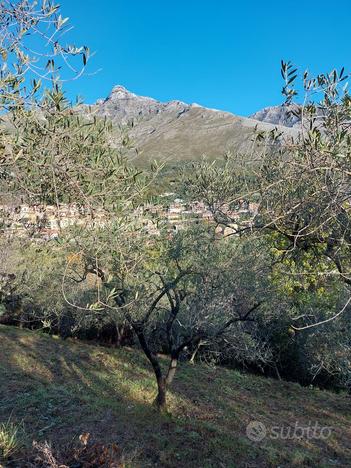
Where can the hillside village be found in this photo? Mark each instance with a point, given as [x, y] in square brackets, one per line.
[46, 221]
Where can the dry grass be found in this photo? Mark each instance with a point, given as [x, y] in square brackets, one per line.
[10, 439]
[61, 389]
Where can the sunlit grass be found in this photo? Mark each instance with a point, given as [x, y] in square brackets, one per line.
[11, 439]
[61, 389]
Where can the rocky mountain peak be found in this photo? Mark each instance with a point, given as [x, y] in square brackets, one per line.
[119, 92]
[283, 115]
[179, 131]
[120, 88]
[122, 105]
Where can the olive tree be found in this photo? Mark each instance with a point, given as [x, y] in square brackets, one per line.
[177, 292]
[33, 51]
[33, 62]
[50, 152]
[298, 183]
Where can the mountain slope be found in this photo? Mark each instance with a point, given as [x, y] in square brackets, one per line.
[58, 390]
[279, 115]
[176, 131]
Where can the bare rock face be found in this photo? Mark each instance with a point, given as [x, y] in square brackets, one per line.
[279, 115]
[175, 131]
[122, 105]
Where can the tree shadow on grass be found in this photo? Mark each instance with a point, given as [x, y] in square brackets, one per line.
[61, 389]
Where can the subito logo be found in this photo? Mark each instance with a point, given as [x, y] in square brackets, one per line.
[256, 431]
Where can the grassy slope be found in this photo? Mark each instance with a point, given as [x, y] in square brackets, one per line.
[62, 389]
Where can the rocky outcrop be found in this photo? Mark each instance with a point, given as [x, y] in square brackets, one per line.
[279, 115]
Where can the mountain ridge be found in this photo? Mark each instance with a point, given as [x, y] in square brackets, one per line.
[177, 131]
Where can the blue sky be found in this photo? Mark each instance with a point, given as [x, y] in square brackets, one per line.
[223, 54]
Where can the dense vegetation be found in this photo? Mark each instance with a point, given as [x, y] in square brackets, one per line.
[272, 297]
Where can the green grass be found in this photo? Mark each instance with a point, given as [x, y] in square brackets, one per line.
[61, 389]
[10, 439]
